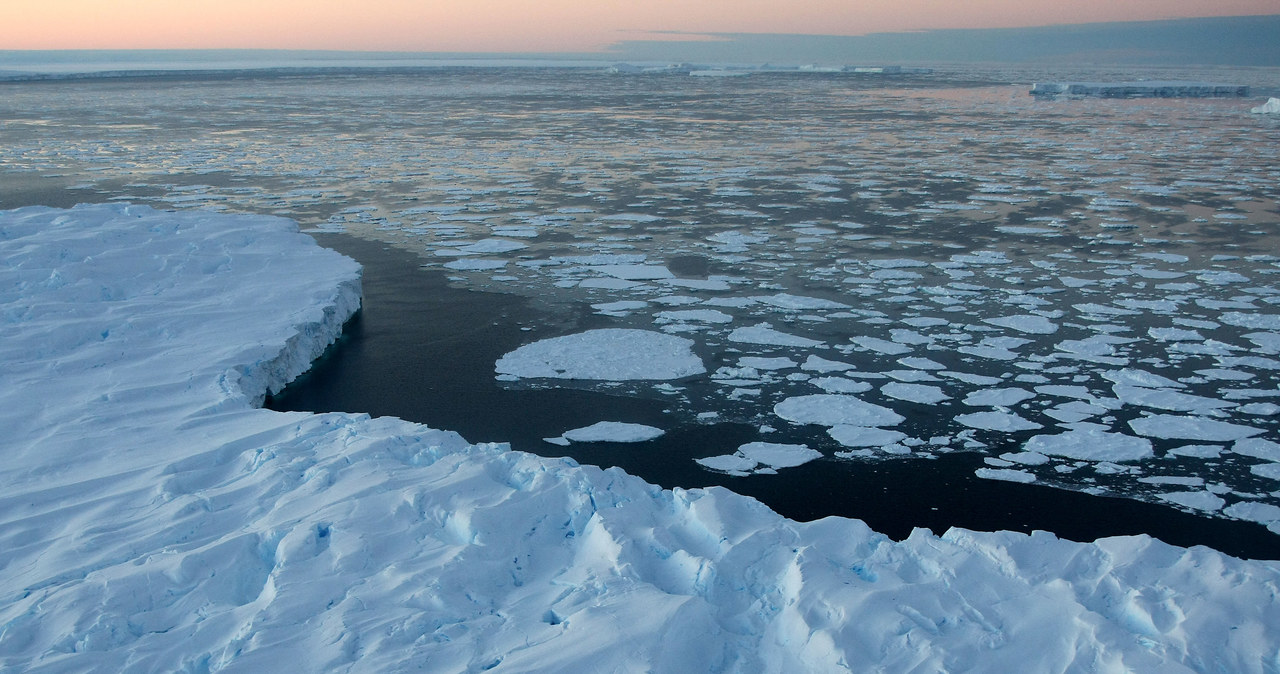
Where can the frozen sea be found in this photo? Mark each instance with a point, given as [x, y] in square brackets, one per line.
[957, 304]
[928, 303]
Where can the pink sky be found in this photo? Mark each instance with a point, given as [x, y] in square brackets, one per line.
[529, 25]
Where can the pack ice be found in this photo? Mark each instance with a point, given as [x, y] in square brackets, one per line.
[152, 518]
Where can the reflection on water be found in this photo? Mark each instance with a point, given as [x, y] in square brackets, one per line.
[1101, 262]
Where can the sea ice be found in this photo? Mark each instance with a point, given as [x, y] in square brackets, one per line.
[1253, 320]
[1197, 500]
[1177, 427]
[607, 354]
[1135, 377]
[751, 456]
[763, 333]
[634, 272]
[916, 393]
[822, 365]
[1258, 448]
[694, 315]
[827, 409]
[1006, 422]
[797, 302]
[881, 345]
[777, 455]
[1030, 324]
[1091, 444]
[998, 397]
[1262, 513]
[760, 363]
[840, 385]
[613, 431]
[484, 247]
[1163, 399]
[1006, 474]
[864, 436]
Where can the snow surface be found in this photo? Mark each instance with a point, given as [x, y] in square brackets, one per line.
[155, 520]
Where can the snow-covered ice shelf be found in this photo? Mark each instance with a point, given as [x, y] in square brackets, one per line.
[152, 518]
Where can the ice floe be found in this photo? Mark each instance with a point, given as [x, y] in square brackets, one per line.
[1006, 422]
[827, 409]
[1091, 444]
[613, 431]
[761, 457]
[609, 354]
[1172, 426]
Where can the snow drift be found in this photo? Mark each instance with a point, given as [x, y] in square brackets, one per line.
[152, 518]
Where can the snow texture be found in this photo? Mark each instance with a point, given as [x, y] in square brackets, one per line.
[156, 520]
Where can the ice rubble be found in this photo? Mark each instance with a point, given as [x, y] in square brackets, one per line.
[154, 519]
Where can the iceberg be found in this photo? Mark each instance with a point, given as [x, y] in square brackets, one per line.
[1271, 107]
[157, 519]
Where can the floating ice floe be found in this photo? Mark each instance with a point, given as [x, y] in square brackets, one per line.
[608, 354]
[826, 409]
[764, 334]
[1258, 448]
[1006, 474]
[865, 436]
[483, 247]
[998, 397]
[613, 431]
[1091, 444]
[1196, 500]
[1035, 325]
[1164, 399]
[923, 394]
[1006, 422]
[1271, 107]
[761, 457]
[1176, 427]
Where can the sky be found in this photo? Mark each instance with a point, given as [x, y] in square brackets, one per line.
[525, 26]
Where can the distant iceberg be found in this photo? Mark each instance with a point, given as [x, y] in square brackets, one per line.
[1141, 89]
[1271, 107]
